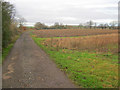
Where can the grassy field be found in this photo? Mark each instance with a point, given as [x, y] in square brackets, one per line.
[89, 61]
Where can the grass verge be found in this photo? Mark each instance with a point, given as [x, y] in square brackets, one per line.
[85, 69]
[5, 51]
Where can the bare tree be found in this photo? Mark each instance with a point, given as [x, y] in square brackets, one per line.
[106, 25]
[95, 25]
[113, 24]
[90, 23]
[80, 25]
[21, 21]
[101, 26]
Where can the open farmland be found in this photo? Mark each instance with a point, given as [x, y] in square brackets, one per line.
[71, 32]
[61, 44]
[90, 60]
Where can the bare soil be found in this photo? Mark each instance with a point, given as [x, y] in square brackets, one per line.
[71, 32]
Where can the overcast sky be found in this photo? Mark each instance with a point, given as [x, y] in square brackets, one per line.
[67, 11]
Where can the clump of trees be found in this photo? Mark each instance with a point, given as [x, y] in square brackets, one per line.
[57, 25]
[40, 25]
[9, 24]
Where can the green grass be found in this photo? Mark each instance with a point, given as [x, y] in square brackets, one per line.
[5, 51]
[85, 69]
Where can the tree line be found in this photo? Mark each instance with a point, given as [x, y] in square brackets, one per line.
[90, 24]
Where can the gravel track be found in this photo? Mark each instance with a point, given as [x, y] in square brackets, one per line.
[28, 66]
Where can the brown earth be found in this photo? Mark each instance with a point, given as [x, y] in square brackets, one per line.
[28, 66]
[71, 32]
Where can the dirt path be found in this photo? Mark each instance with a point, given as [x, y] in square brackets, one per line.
[27, 66]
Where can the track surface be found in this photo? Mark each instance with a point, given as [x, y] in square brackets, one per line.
[28, 66]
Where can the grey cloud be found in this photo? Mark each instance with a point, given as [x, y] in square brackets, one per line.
[66, 11]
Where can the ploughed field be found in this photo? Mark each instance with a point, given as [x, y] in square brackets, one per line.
[71, 32]
[88, 57]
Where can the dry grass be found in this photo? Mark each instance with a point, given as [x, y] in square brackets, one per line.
[83, 43]
[71, 32]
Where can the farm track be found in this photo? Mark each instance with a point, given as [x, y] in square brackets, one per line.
[27, 66]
